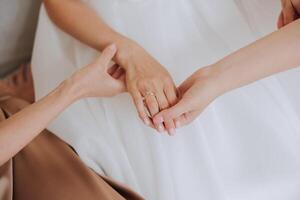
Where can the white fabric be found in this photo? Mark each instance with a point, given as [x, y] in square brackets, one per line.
[245, 146]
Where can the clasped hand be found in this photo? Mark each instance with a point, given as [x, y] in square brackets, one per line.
[159, 103]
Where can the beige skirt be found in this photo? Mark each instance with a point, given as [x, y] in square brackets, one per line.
[49, 169]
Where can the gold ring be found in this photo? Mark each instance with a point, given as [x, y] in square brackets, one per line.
[147, 94]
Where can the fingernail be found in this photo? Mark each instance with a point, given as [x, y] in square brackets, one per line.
[172, 132]
[177, 124]
[160, 128]
[147, 121]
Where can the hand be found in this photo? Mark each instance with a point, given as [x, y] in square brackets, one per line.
[289, 13]
[196, 93]
[97, 79]
[149, 84]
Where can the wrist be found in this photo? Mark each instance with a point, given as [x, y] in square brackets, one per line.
[213, 77]
[126, 51]
[70, 91]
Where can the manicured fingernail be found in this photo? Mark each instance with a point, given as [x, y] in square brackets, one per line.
[177, 124]
[172, 132]
[147, 121]
[160, 128]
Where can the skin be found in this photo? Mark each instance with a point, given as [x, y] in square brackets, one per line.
[144, 73]
[94, 80]
[272, 54]
[289, 13]
[19, 84]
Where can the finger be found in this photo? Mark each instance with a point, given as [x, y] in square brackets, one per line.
[26, 71]
[172, 113]
[21, 74]
[179, 121]
[170, 126]
[164, 104]
[117, 74]
[112, 69]
[139, 104]
[288, 15]
[171, 93]
[280, 21]
[161, 100]
[172, 96]
[107, 54]
[147, 91]
[152, 104]
[122, 78]
[186, 119]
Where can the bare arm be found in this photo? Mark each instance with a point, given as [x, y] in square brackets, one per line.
[144, 74]
[272, 54]
[83, 23]
[17, 131]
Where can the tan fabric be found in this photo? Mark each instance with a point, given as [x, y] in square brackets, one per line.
[49, 169]
[5, 174]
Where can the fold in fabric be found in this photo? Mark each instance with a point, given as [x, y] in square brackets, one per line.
[243, 146]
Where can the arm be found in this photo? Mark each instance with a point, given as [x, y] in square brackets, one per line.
[275, 53]
[289, 13]
[272, 54]
[144, 74]
[17, 131]
[83, 23]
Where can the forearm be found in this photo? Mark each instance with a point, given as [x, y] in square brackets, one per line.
[21, 128]
[84, 24]
[272, 54]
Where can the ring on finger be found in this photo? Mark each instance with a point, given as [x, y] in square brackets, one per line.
[147, 94]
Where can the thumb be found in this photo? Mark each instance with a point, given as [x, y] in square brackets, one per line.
[173, 112]
[106, 56]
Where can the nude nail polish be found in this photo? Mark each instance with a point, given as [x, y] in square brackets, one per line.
[172, 132]
[160, 128]
[147, 122]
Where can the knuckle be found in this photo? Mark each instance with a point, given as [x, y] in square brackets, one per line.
[143, 85]
[164, 105]
[172, 100]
